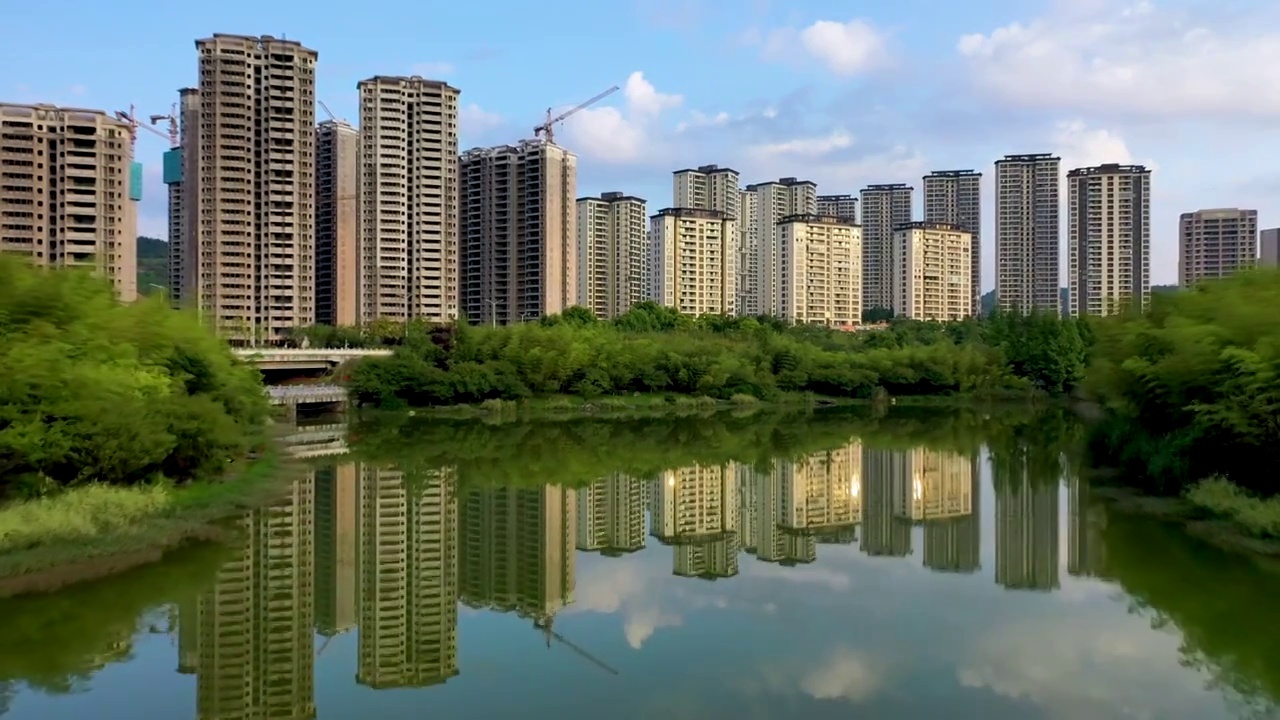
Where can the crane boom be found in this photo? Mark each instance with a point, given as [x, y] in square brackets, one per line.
[172, 117]
[545, 625]
[547, 129]
[326, 109]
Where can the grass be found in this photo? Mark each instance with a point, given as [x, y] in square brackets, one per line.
[1255, 516]
[95, 522]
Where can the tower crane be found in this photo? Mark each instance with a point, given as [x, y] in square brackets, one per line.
[172, 117]
[547, 129]
[131, 119]
[544, 624]
[329, 112]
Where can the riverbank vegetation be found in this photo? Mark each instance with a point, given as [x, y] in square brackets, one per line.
[655, 350]
[1191, 390]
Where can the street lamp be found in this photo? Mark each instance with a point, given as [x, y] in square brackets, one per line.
[493, 313]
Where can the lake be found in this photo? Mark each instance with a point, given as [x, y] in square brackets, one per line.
[919, 564]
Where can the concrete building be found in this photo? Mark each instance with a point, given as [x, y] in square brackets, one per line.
[1269, 248]
[611, 515]
[83, 159]
[819, 276]
[1028, 233]
[1108, 238]
[696, 511]
[931, 272]
[1027, 528]
[955, 197]
[707, 187]
[253, 218]
[693, 261]
[408, 199]
[337, 224]
[841, 206]
[759, 236]
[748, 261]
[613, 255]
[1216, 244]
[518, 232]
[181, 165]
[884, 207]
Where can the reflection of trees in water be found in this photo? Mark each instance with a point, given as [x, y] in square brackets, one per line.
[1221, 603]
[6, 696]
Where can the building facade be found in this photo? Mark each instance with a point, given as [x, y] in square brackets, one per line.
[884, 207]
[337, 224]
[693, 261]
[819, 277]
[841, 206]
[613, 257]
[772, 201]
[1216, 244]
[955, 197]
[408, 199]
[1269, 248]
[707, 187]
[1108, 238]
[1028, 233]
[254, 210]
[931, 272]
[84, 159]
[518, 227]
[181, 165]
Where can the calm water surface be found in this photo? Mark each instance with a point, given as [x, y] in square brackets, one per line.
[937, 566]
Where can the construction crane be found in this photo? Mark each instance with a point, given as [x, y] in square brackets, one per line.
[329, 112]
[131, 119]
[172, 117]
[547, 129]
[544, 624]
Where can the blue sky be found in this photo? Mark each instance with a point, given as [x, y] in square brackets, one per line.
[843, 93]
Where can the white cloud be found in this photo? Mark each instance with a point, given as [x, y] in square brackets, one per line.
[631, 589]
[845, 49]
[78, 90]
[699, 119]
[805, 146]
[473, 118]
[634, 133]
[1136, 59]
[1082, 146]
[844, 675]
[434, 70]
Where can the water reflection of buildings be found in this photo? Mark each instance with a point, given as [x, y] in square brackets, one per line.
[695, 510]
[611, 515]
[1026, 527]
[1086, 555]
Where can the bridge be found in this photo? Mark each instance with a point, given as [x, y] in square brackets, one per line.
[310, 441]
[305, 359]
[292, 396]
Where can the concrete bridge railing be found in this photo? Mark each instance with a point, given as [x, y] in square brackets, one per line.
[294, 357]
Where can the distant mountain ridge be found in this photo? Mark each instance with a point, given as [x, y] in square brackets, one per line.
[153, 265]
[1064, 294]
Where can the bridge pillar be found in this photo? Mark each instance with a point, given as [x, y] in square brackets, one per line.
[291, 413]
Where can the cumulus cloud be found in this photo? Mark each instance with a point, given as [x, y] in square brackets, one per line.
[844, 675]
[845, 49]
[1136, 59]
[629, 589]
[473, 118]
[627, 135]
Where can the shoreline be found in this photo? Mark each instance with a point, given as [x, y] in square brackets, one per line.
[194, 514]
[1194, 520]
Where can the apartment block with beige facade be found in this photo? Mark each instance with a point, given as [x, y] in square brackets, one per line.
[819, 276]
[758, 290]
[693, 261]
[707, 187]
[518, 229]
[932, 272]
[841, 206]
[955, 196]
[254, 212]
[65, 191]
[1215, 244]
[613, 255]
[337, 224]
[1028, 233]
[1108, 238]
[409, 221]
[884, 207]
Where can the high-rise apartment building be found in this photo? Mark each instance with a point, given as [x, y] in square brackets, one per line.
[884, 207]
[1108, 238]
[955, 197]
[931, 272]
[613, 256]
[518, 229]
[1269, 248]
[337, 224]
[819, 277]
[253, 215]
[707, 187]
[1216, 243]
[181, 175]
[693, 261]
[841, 206]
[68, 190]
[773, 201]
[748, 261]
[408, 199]
[1028, 233]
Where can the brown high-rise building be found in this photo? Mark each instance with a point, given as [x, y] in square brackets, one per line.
[1216, 243]
[253, 217]
[518, 232]
[337, 223]
[408, 199]
[181, 165]
[68, 189]
[884, 207]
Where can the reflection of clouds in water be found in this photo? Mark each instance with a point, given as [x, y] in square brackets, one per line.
[1096, 667]
[845, 675]
[804, 575]
[630, 588]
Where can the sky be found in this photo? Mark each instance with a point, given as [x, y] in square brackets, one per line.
[839, 92]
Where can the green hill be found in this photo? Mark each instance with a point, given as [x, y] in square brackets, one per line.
[989, 298]
[153, 265]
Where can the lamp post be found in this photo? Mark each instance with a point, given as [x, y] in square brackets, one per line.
[493, 313]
